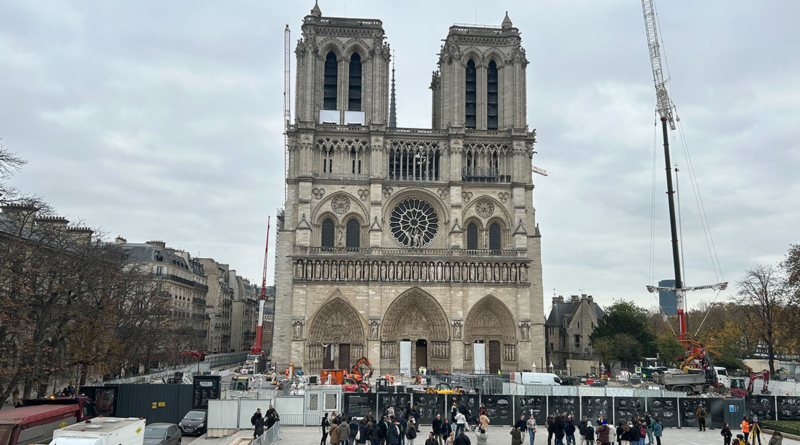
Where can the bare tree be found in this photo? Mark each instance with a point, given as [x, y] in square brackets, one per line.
[762, 297]
[10, 163]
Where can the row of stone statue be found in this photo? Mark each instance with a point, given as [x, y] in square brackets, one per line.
[388, 271]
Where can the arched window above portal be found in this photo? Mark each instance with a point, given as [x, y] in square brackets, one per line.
[353, 233]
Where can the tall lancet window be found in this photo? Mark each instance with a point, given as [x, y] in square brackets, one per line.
[354, 97]
[491, 96]
[331, 74]
[470, 94]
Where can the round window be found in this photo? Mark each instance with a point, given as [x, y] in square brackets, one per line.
[413, 223]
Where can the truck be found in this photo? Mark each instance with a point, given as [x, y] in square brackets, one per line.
[536, 378]
[693, 383]
[102, 431]
[36, 422]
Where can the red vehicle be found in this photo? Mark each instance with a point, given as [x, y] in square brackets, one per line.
[36, 422]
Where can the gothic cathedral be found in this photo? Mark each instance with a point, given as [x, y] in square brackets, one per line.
[409, 246]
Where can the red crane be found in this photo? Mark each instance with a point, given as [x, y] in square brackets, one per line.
[262, 299]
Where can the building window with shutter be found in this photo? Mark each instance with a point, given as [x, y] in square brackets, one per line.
[354, 91]
[330, 81]
[470, 94]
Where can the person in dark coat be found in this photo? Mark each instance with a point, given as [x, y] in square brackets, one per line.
[383, 426]
[521, 425]
[447, 428]
[462, 439]
[363, 434]
[431, 440]
[589, 432]
[353, 425]
[437, 429]
[551, 428]
[393, 433]
[569, 431]
[516, 436]
[558, 430]
[726, 434]
[344, 433]
[324, 425]
[259, 424]
[603, 433]
[374, 434]
[255, 416]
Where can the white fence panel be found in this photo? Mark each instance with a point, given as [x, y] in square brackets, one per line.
[248, 407]
[223, 414]
[592, 391]
[565, 390]
[290, 409]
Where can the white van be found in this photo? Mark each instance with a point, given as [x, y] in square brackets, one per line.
[535, 378]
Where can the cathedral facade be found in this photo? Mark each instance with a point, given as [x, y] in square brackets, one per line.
[411, 247]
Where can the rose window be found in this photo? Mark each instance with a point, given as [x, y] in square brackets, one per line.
[413, 223]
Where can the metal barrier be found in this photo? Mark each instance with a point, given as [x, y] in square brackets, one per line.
[269, 437]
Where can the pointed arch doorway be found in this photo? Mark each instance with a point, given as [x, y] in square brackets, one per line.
[415, 333]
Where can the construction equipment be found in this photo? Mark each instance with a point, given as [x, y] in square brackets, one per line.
[262, 299]
[358, 372]
[240, 383]
[444, 388]
[737, 384]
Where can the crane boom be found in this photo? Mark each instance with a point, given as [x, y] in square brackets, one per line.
[262, 299]
[663, 104]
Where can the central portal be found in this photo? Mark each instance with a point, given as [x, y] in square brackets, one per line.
[422, 353]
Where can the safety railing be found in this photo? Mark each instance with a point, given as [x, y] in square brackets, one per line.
[269, 437]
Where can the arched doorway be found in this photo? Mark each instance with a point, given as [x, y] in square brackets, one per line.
[336, 336]
[417, 318]
[491, 325]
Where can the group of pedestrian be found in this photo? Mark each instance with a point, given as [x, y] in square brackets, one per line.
[264, 422]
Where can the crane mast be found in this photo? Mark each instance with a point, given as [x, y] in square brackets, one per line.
[665, 109]
[287, 110]
[262, 299]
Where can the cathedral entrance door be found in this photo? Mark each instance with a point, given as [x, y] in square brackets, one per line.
[327, 357]
[422, 353]
[405, 357]
[344, 356]
[494, 356]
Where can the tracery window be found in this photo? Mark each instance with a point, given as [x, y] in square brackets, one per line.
[327, 233]
[491, 96]
[494, 237]
[470, 94]
[414, 223]
[414, 161]
[353, 233]
[354, 92]
[330, 81]
[472, 236]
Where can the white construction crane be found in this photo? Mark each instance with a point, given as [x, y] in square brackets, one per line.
[664, 104]
[287, 111]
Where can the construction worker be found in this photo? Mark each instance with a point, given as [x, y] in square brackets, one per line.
[745, 428]
[391, 379]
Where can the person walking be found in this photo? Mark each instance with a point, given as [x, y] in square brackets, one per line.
[558, 430]
[522, 426]
[582, 430]
[624, 433]
[745, 429]
[531, 425]
[259, 426]
[462, 439]
[383, 426]
[516, 436]
[569, 431]
[362, 435]
[344, 432]
[640, 428]
[431, 440]
[776, 439]
[701, 417]
[549, 425]
[324, 425]
[484, 419]
[648, 424]
[335, 431]
[411, 431]
[437, 429]
[461, 423]
[726, 434]
[447, 430]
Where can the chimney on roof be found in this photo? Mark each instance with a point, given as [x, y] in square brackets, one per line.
[589, 299]
[160, 244]
[120, 240]
[20, 214]
[80, 234]
[558, 299]
[574, 298]
[52, 222]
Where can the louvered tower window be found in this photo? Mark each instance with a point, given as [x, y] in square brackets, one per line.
[494, 237]
[491, 96]
[327, 233]
[472, 236]
[354, 96]
[470, 94]
[331, 73]
[353, 233]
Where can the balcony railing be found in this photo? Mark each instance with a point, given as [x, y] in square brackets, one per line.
[187, 282]
[483, 174]
[196, 300]
[400, 251]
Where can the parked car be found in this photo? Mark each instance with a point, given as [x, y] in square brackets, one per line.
[194, 422]
[162, 434]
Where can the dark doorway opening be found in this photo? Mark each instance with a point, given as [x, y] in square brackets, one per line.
[422, 353]
[344, 356]
[327, 357]
[494, 356]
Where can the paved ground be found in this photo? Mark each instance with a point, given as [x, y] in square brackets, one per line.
[295, 435]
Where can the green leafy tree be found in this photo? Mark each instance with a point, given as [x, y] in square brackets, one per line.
[617, 348]
[669, 348]
[624, 317]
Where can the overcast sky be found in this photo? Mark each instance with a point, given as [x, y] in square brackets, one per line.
[162, 120]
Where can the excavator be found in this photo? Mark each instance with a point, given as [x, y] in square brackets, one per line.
[355, 379]
[737, 384]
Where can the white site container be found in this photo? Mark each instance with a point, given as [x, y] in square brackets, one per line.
[102, 431]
